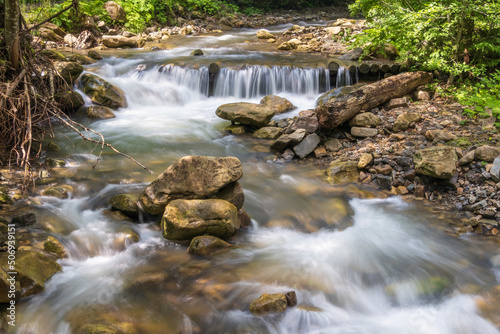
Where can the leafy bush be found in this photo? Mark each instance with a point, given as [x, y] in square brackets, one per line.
[459, 37]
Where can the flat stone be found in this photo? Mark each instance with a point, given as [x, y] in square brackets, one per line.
[278, 104]
[397, 103]
[246, 113]
[269, 303]
[310, 124]
[307, 146]
[268, 132]
[438, 162]
[363, 132]
[495, 170]
[405, 120]
[342, 172]
[468, 158]
[320, 152]
[288, 140]
[333, 145]
[440, 135]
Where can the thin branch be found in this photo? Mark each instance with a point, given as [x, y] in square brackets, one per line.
[11, 88]
[36, 26]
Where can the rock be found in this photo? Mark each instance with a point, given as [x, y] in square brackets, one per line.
[269, 303]
[291, 298]
[288, 140]
[401, 102]
[208, 245]
[69, 71]
[268, 132]
[85, 40]
[190, 178]
[32, 268]
[244, 219]
[383, 182]
[310, 124]
[246, 113]
[70, 40]
[333, 145]
[197, 52]
[128, 34]
[26, 219]
[115, 11]
[438, 162]
[69, 101]
[335, 31]
[52, 245]
[52, 147]
[440, 135]
[236, 129]
[55, 28]
[320, 152]
[365, 160]
[487, 153]
[363, 132]
[342, 172]
[468, 158]
[119, 41]
[233, 193]
[294, 43]
[102, 92]
[405, 120]
[97, 112]
[278, 104]
[365, 119]
[186, 219]
[422, 95]
[81, 59]
[307, 146]
[94, 55]
[52, 54]
[264, 34]
[125, 203]
[50, 35]
[383, 169]
[495, 169]
[285, 46]
[146, 281]
[352, 55]
[61, 192]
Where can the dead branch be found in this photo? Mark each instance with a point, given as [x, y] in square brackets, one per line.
[11, 88]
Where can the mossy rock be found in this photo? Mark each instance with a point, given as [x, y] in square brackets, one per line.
[197, 52]
[52, 54]
[97, 112]
[117, 215]
[208, 245]
[343, 172]
[125, 203]
[55, 163]
[102, 92]
[52, 245]
[4, 197]
[69, 101]
[94, 55]
[68, 70]
[33, 269]
[61, 192]
[81, 59]
[52, 146]
[269, 303]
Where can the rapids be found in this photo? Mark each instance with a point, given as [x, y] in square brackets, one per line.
[357, 265]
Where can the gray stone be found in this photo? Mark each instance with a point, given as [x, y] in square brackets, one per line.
[352, 55]
[288, 140]
[384, 182]
[397, 103]
[333, 145]
[468, 158]
[363, 132]
[310, 124]
[440, 135]
[307, 146]
[495, 169]
[405, 120]
[115, 11]
[85, 40]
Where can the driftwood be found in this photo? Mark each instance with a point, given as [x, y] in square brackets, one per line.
[338, 111]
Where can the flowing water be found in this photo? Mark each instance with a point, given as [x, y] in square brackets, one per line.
[358, 264]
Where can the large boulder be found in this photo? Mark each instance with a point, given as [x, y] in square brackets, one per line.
[264, 34]
[68, 70]
[192, 177]
[487, 153]
[115, 11]
[50, 35]
[125, 203]
[102, 92]
[119, 41]
[55, 28]
[246, 113]
[32, 268]
[85, 40]
[438, 162]
[186, 219]
[277, 103]
[69, 101]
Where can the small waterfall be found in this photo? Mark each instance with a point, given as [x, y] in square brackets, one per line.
[344, 77]
[194, 79]
[252, 81]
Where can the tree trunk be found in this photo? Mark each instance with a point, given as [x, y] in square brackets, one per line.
[12, 13]
[338, 111]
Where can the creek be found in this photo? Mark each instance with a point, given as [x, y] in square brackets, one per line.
[358, 263]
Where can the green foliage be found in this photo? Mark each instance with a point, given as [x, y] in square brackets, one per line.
[460, 37]
[480, 98]
[139, 13]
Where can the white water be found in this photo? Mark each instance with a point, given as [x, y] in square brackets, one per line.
[357, 266]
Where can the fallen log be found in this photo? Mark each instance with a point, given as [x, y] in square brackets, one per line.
[338, 111]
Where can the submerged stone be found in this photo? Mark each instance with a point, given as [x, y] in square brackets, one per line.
[208, 245]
